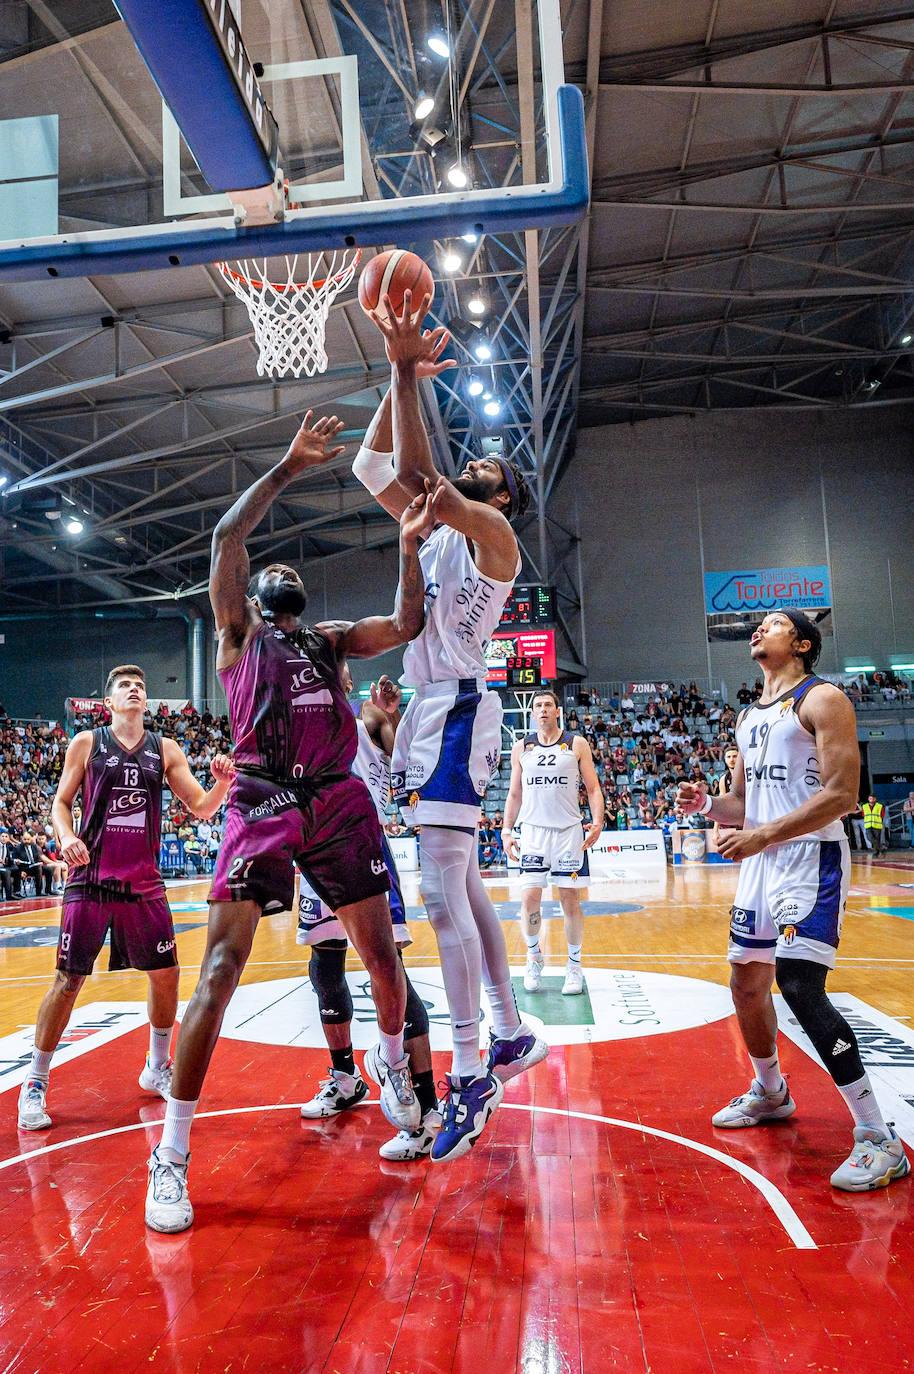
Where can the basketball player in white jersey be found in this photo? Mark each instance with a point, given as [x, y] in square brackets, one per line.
[449, 741]
[318, 926]
[547, 768]
[797, 774]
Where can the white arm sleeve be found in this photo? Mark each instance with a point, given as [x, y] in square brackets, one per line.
[374, 470]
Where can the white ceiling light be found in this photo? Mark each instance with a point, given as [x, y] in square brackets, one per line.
[424, 106]
[471, 237]
[483, 351]
[492, 407]
[476, 305]
[452, 262]
[438, 45]
[457, 176]
[475, 387]
[906, 339]
[74, 526]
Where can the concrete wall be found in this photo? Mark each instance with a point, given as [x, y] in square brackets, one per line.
[748, 488]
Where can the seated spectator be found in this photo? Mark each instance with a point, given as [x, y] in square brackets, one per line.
[27, 859]
[51, 864]
[9, 875]
[193, 855]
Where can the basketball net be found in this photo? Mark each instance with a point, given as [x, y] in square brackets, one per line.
[290, 318]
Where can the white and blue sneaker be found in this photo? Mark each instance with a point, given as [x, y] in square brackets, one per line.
[398, 1101]
[33, 1113]
[875, 1161]
[465, 1110]
[509, 1057]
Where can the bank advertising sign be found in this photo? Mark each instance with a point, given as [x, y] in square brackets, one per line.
[736, 601]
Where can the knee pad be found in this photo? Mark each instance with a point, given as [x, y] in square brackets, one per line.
[416, 1013]
[802, 984]
[327, 971]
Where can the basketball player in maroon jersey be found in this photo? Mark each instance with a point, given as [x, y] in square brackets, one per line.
[294, 802]
[115, 883]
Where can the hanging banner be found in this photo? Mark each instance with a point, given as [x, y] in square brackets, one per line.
[736, 601]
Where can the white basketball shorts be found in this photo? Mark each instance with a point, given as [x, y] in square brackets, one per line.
[552, 854]
[446, 751]
[790, 902]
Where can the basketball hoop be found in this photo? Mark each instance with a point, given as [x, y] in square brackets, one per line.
[290, 319]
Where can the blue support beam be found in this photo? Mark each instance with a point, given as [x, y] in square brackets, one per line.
[195, 55]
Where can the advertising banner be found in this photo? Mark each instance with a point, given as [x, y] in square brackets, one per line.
[736, 601]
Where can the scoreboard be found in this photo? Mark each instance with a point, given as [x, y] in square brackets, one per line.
[523, 671]
[530, 605]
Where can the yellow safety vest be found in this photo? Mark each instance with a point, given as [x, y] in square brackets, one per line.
[872, 816]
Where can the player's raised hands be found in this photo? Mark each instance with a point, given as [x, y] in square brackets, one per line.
[419, 517]
[309, 448]
[407, 342]
[386, 695]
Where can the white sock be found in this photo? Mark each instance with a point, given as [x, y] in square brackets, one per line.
[533, 942]
[391, 1047]
[465, 1061]
[862, 1104]
[159, 1044]
[505, 1017]
[574, 953]
[175, 1142]
[40, 1066]
[768, 1073]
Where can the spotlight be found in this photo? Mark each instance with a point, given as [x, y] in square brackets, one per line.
[457, 176]
[476, 306]
[905, 339]
[492, 407]
[438, 44]
[483, 351]
[470, 237]
[452, 262]
[475, 387]
[424, 106]
[74, 526]
[3, 479]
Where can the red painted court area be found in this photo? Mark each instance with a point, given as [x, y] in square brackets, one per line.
[562, 1243]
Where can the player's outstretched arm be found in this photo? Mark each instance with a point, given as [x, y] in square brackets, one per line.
[374, 462]
[202, 802]
[591, 782]
[509, 840]
[381, 715]
[378, 633]
[230, 567]
[71, 846]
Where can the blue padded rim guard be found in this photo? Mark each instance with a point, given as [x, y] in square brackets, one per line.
[399, 222]
[191, 46]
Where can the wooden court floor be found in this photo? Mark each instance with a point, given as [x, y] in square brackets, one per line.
[601, 1223]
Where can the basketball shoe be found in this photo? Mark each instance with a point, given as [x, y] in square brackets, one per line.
[413, 1144]
[755, 1107]
[336, 1094]
[156, 1080]
[33, 1113]
[875, 1161]
[168, 1206]
[465, 1110]
[509, 1057]
[398, 1101]
[533, 973]
[574, 980]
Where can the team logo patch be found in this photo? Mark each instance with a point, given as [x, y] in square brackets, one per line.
[788, 934]
[742, 922]
[413, 798]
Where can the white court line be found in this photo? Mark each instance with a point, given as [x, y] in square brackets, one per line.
[776, 1200]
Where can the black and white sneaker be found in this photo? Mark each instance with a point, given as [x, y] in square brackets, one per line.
[336, 1094]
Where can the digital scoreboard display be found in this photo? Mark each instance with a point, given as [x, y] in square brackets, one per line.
[529, 605]
[523, 671]
[526, 650]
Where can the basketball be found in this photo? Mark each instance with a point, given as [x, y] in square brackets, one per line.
[391, 274]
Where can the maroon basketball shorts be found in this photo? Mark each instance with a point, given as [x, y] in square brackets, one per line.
[332, 832]
[142, 934]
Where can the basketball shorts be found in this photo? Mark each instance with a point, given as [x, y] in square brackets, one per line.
[316, 921]
[552, 854]
[333, 836]
[446, 751]
[142, 934]
[790, 903]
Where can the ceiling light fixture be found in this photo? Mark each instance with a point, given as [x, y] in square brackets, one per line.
[74, 526]
[452, 262]
[438, 44]
[457, 176]
[483, 351]
[423, 106]
[476, 305]
[475, 387]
